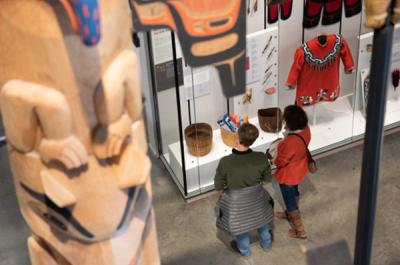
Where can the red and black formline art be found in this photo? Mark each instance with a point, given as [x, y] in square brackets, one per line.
[210, 32]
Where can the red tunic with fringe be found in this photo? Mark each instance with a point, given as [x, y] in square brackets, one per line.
[315, 70]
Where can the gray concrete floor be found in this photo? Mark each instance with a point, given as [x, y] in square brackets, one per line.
[187, 233]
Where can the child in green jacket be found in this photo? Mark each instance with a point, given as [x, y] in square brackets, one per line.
[244, 204]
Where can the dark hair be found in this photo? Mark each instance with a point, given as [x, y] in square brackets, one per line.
[295, 118]
[248, 133]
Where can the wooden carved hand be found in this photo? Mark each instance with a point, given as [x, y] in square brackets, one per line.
[118, 104]
[68, 151]
[110, 138]
[28, 108]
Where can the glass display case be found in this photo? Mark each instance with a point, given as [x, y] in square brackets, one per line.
[192, 109]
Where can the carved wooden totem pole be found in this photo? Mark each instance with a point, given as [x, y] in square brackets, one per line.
[71, 104]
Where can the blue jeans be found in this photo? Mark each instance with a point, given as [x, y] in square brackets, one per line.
[289, 193]
[243, 240]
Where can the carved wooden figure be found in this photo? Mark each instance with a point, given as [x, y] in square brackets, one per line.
[71, 106]
[377, 12]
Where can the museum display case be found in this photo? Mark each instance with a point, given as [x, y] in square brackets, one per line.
[330, 81]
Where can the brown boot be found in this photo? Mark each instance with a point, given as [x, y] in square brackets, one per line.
[297, 230]
[283, 215]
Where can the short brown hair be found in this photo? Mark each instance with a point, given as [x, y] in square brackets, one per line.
[248, 133]
[295, 118]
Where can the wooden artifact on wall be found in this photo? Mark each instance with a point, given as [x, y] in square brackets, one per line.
[211, 33]
[71, 106]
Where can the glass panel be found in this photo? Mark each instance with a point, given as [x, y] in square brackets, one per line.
[204, 102]
[362, 84]
[260, 102]
[337, 120]
[392, 118]
[166, 94]
[330, 119]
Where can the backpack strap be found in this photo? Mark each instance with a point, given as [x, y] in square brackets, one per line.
[305, 144]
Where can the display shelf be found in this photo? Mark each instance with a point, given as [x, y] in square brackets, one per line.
[206, 166]
[392, 117]
[359, 124]
[392, 111]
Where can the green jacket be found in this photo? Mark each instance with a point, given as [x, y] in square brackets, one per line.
[242, 169]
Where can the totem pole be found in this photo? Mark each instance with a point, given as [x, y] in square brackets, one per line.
[71, 104]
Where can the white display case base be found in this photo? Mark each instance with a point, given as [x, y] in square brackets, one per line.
[200, 171]
[332, 125]
[392, 117]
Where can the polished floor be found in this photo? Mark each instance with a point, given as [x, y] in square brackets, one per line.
[187, 233]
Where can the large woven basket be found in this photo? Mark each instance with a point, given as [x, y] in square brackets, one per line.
[270, 119]
[229, 138]
[198, 138]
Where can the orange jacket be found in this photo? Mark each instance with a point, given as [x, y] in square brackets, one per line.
[292, 160]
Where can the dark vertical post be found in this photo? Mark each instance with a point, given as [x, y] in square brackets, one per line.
[178, 103]
[265, 13]
[380, 65]
[2, 140]
[154, 92]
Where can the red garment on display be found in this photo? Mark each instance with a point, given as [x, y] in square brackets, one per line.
[315, 70]
[332, 11]
[273, 11]
[292, 159]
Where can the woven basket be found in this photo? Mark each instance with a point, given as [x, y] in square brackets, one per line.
[229, 138]
[270, 119]
[198, 138]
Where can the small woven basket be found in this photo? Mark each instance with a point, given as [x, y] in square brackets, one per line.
[270, 120]
[229, 138]
[198, 138]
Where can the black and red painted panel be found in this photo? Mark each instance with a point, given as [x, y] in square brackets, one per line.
[282, 7]
[330, 10]
[210, 32]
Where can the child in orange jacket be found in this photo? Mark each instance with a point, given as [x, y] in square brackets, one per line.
[292, 166]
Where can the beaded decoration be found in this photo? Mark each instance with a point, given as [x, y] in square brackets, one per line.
[320, 64]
